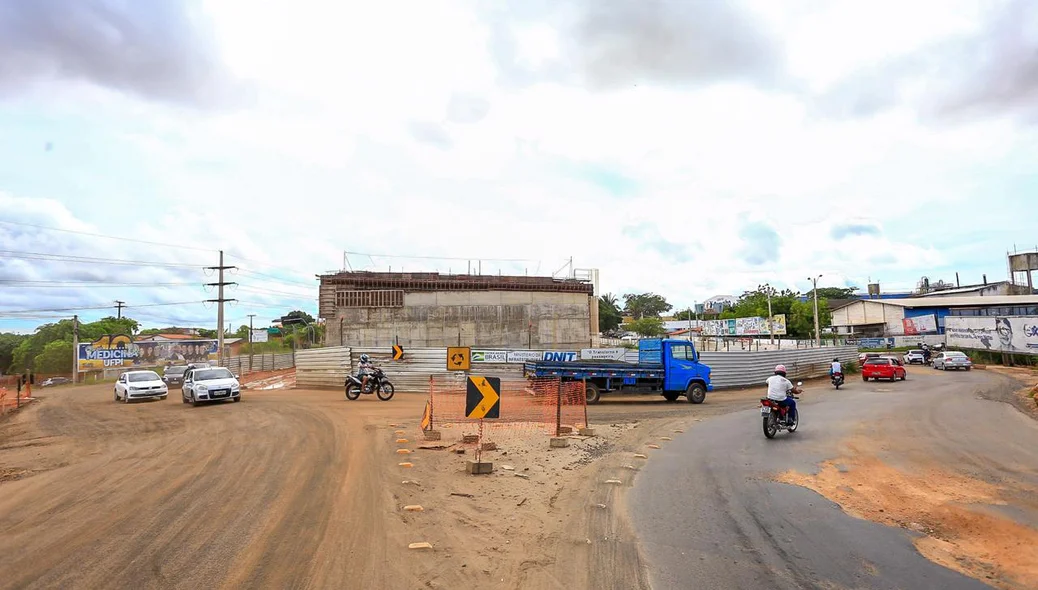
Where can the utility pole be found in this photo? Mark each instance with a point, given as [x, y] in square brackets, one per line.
[251, 315]
[771, 316]
[220, 300]
[119, 305]
[75, 349]
[818, 332]
[690, 324]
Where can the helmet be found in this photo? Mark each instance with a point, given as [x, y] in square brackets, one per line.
[836, 360]
[780, 370]
[364, 358]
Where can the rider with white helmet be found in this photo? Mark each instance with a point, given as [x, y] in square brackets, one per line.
[778, 389]
[364, 370]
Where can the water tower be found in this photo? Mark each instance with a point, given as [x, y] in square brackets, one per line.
[1023, 263]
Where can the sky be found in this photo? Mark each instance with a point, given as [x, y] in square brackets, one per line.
[684, 147]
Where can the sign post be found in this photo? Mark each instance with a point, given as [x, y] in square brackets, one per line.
[482, 400]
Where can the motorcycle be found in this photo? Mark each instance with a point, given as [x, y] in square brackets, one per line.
[774, 414]
[377, 384]
[837, 379]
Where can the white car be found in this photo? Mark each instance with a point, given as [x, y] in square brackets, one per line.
[140, 385]
[914, 356]
[210, 384]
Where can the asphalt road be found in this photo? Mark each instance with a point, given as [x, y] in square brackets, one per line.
[709, 514]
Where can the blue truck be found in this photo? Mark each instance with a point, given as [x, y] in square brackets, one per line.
[667, 367]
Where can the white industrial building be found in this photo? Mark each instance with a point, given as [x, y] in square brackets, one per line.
[887, 317]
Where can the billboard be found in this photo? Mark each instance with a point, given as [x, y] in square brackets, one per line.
[1015, 335]
[926, 324]
[754, 326]
[259, 335]
[119, 350]
[522, 356]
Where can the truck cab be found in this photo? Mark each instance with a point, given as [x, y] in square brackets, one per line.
[670, 368]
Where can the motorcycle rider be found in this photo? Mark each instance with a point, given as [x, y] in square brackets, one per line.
[778, 390]
[836, 368]
[364, 371]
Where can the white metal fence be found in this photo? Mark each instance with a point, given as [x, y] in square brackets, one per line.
[328, 367]
[244, 364]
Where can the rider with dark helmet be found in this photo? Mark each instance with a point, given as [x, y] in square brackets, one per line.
[364, 370]
[778, 390]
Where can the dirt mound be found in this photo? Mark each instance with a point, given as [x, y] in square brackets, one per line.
[956, 516]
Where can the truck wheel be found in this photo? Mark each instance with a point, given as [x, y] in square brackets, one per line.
[671, 396]
[592, 392]
[695, 393]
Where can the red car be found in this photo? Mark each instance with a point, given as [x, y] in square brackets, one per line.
[883, 368]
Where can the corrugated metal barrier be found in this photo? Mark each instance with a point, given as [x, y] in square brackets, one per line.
[242, 365]
[745, 368]
[327, 367]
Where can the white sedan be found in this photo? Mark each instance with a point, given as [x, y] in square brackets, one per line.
[140, 385]
[210, 384]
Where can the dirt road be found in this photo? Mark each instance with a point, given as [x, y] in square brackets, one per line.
[270, 492]
[951, 474]
[302, 489]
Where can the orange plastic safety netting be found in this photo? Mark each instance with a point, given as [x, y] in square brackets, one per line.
[528, 407]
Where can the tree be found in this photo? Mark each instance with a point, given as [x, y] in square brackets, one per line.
[8, 342]
[297, 314]
[56, 359]
[832, 293]
[645, 305]
[686, 314]
[206, 333]
[609, 316]
[649, 327]
[242, 332]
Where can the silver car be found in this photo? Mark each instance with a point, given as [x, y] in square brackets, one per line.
[952, 360]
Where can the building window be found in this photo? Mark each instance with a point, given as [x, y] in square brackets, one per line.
[369, 299]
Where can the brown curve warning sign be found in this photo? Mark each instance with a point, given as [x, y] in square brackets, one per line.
[459, 358]
[483, 397]
[398, 352]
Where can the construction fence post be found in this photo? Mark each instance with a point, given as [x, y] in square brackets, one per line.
[586, 425]
[558, 410]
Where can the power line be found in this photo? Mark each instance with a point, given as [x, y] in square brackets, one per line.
[93, 235]
[91, 284]
[89, 308]
[254, 273]
[264, 291]
[92, 260]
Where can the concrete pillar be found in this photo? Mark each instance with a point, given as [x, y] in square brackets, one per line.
[593, 309]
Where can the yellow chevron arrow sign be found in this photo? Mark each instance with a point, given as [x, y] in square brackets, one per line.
[483, 397]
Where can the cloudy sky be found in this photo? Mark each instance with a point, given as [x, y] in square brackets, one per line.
[687, 147]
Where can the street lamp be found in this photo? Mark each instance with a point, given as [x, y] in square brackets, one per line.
[288, 320]
[818, 332]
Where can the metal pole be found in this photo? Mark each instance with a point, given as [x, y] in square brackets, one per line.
[818, 332]
[251, 315]
[558, 411]
[586, 425]
[771, 323]
[75, 349]
[219, 316]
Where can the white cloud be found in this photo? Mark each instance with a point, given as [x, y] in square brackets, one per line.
[377, 133]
